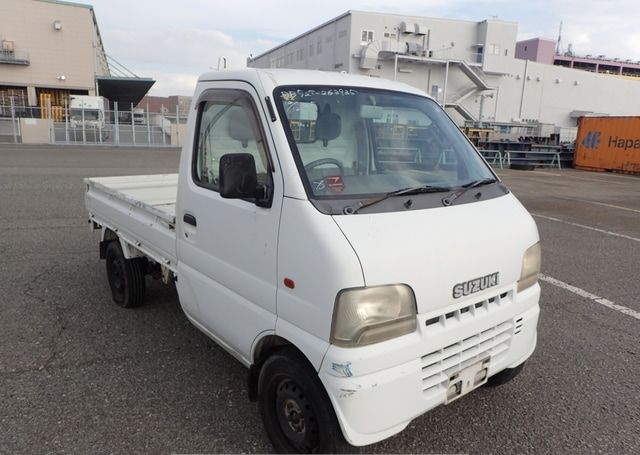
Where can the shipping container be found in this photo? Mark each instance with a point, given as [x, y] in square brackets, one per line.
[608, 144]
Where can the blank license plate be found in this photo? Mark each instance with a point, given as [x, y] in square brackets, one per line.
[464, 381]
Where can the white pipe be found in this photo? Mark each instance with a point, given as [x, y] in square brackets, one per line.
[444, 90]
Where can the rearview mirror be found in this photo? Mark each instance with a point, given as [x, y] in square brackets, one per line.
[238, 177]
[302, 120]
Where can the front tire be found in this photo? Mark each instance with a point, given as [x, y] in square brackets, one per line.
[126, 277]
[296, 411]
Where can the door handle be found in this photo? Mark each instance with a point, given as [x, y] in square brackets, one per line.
[190, 219]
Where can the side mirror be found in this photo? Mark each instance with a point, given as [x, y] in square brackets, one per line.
[237, 175]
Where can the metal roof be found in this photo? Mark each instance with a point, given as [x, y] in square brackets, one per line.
[124, 90]
[61, 2]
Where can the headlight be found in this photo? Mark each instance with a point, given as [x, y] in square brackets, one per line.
[364, 316]
[530, 267]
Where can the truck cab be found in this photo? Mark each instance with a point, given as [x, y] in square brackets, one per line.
[342, 239]
[88, 111]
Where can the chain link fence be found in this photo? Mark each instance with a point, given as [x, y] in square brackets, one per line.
[117, 126]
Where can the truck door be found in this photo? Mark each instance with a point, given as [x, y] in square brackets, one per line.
[227, 247]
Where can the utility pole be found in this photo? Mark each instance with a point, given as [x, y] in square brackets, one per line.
[559, 43]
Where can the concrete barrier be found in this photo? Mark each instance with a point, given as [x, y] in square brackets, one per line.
[35, 131]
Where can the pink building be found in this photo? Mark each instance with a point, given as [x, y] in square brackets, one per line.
[537, 49]
[543, 50]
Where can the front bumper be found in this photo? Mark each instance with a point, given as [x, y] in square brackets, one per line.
[377, 390]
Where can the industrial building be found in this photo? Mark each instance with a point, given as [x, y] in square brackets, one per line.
[545, 50]
[471, 68]
[52, 49]
[58, 85]
[166, 104]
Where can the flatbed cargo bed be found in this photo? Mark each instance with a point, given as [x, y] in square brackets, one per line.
[141, 209]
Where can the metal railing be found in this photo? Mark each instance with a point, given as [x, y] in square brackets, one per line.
[9, 124]
[14, 58]
[452, 53]
[551, 158]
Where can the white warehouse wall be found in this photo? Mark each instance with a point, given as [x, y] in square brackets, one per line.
[549, 94]
[302, 52]
[519, 89]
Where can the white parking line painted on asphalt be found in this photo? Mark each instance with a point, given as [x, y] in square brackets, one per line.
[599, 203]
[538, 173]
[549, 173]
[565, 177]
[582, 293]
[591, 228]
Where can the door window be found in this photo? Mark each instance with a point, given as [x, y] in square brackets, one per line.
[228, 124]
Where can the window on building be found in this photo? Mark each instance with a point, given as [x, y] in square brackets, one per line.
[366, 36]
[311, 51]
[319, 45]
[494, 49]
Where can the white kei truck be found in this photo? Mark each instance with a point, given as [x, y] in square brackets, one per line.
[340, 237]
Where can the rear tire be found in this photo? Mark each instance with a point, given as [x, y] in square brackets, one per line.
[126, 277]
[296, 411]
[505, 376]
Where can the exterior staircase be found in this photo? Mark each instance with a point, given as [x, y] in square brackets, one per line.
[479, 85]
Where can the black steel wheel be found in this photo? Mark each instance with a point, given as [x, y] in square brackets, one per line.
[295, 408]
[126, 277]
[296, 417]
[504, 376]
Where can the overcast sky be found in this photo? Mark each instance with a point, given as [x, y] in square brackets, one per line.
[173, 41]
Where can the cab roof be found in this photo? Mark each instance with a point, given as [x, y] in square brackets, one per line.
[272, 78]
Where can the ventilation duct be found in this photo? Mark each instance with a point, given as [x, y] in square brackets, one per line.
[404, 28]
[420, 29]
[415, 49]
[369, 55]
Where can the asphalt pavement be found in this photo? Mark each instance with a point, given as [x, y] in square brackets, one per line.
[80, 375]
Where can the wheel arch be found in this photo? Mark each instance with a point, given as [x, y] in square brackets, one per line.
[110, 235]
[263, 348]
[310, 347]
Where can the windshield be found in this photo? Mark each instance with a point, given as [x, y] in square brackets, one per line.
[353, 143]
[89, 114]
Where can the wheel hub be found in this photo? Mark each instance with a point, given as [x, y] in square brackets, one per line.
[294, 416]
[115, 271]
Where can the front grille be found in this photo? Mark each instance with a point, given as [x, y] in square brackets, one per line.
[468, 311]
[439, 365]
[518, 328]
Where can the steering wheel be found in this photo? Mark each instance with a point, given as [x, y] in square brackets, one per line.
[322, 161]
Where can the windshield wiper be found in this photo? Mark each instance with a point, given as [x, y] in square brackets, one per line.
[349, 210]
[448, 200]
